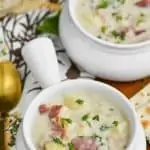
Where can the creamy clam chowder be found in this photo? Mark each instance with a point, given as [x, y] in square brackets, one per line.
[85, 122]
[117, 21]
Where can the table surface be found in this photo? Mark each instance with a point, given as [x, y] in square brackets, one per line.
[128, 88]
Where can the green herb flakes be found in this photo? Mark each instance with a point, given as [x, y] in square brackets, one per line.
[57, 141]
[96, 117]
[103, 29]
[95, 136]
[114, 14]
[118, 17]
[85, 117]
[115, 123]
[71, 147]
[65, 121]
[103, 4]
[115, 34]
[123, 36]
[79, 101]
[104, 127]
[142, 14]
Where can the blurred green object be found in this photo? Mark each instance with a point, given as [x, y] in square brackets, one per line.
[49, 25]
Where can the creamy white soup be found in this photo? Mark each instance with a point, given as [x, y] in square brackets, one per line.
[81, 122]
[117, 21]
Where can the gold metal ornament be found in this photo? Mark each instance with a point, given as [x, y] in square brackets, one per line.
[10, 87]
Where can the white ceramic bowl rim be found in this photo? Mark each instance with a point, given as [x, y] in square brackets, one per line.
[72, 12]
[38, 100]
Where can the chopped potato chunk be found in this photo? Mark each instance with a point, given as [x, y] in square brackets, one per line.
[73, 102]
[53, 146]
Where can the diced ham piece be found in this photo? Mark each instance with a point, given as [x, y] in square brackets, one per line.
[54, 111]
[138, 32]
[131, 29]
[57, 129]
[43, 108]
[84, 143]
[143, 3]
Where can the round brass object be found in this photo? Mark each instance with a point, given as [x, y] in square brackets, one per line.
[10, 87]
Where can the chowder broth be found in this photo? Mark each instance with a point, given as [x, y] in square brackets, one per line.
[117, 21]
[70, 123]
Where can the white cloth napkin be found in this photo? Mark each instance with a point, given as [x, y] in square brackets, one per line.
[40, 56]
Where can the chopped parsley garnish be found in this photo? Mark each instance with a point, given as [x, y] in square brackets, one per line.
[115, 33]
[99, 138]
[123, 36]
[114, 14]
[57, 141]
[115, 123]
[79, 101]
[142, 14]
[118, 17]
[71, 147]
[103, 29]
[99, 37]
[65, 121]
[104, 127]
[96, 117]
[85, 117]
[103, 4]
[95, 136]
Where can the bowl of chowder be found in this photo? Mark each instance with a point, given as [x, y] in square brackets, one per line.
[111, 35]
[80, 115]
[120, 22]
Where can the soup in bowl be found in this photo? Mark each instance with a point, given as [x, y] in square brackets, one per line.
[80, 115]
[112, 22]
